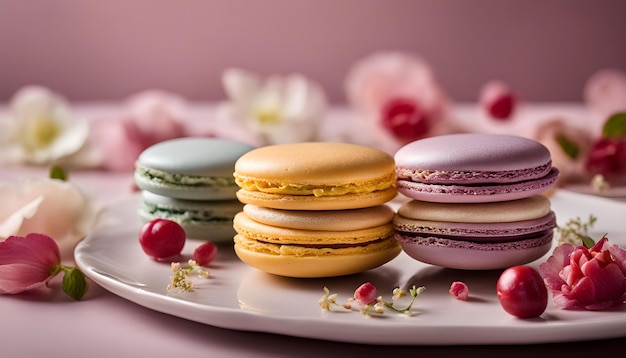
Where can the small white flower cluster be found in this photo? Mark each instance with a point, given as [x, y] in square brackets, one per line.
[576, 232]
[180, 277]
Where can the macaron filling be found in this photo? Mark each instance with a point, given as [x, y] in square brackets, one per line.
[186, 216]
[474, 177]
[158, 177]
[477, 232]
[276, 187]
[542, 239]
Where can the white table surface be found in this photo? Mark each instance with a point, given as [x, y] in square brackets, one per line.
[45, 323]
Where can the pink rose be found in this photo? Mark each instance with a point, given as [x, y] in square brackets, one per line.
[399, 96]
[581, 278]
[27, 262]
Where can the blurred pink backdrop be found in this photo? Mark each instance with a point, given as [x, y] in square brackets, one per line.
[101, 50]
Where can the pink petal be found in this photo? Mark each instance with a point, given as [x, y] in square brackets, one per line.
[27, 262]
[550, 270]
[608, 281]
[619, 256]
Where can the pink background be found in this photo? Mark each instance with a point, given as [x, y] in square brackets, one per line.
[93, 50]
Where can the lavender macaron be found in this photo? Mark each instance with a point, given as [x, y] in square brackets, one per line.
[473, 168]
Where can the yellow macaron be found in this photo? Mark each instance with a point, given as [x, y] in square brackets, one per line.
[315, 176]
[297, 243]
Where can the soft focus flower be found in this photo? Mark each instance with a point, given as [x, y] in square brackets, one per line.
[41, 129]
[276, 109]
[54, 207]
[149, 117]
[399, 97]
[497, 100]
[605, 94]
[582, 278]
[27, 262]
[568, 145]
[607, 157]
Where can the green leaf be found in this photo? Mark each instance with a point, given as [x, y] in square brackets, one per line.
[74, 283]
[615, 126]
[56, 172]
[569, 147]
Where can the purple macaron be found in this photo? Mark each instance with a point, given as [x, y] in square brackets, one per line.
[474, 168]
[476, 236]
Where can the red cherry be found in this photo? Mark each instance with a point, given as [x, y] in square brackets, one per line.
[405, 119]
[161, 238]
[522, 292]
[205, 253]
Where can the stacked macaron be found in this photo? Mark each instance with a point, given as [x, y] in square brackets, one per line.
[476, 200]
[315, 209]
[189, 180]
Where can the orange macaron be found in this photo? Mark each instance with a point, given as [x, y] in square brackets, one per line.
[315, 209]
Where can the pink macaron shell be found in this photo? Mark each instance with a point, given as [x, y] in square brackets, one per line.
[477, 193]
[466, 255]
[473, 152]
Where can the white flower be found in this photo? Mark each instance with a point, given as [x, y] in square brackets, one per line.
[40, 129]
[276, 109]
[52, 207]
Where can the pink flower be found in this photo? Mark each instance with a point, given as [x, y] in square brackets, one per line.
[581, 278]
[459, 290]
[399, 96]
[365, 294]
[27, 262]
[568, 146]
[149, 117]
[57, 208]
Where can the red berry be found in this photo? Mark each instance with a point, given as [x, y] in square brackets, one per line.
[522, 292]
[161, 238]
[365, 294]
[459, 290]
[498, 100]
[205, 253]
[405, 119]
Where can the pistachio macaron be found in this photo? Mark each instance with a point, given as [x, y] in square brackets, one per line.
[190, 181]
[193, 168]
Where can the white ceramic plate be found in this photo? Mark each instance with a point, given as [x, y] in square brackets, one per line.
[242, 298]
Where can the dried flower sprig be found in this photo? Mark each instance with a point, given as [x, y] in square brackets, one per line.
[576, 232]
[366, 296]
[180, 277]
